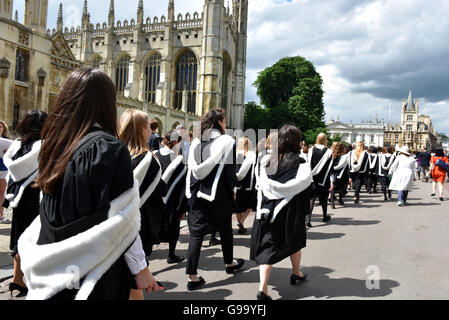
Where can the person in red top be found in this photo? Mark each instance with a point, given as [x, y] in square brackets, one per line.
[438, 173]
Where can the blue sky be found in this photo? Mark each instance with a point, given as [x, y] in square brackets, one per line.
[369, 52]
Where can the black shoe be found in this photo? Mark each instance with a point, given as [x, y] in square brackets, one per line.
[175, 259]
[309, 225]
[356, 200]
[327, 219]
[22, 290]
[195, 285]
[294, 278]
[242, 230]
[263, 297]
[214, 242]
[231, 270]
[386, 198]
[441, 199]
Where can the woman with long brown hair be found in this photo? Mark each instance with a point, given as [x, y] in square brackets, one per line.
[85, 244]
[4, 143]
[21, 159]
[279, 229]
[210, 189]
[359, 167]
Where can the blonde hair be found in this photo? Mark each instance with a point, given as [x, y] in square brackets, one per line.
[322, 139]
[131, 127]
[243, 144]
[5, 130]
[335, 149]
[359, 150]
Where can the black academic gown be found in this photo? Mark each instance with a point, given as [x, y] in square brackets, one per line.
[341, 176]
[383, 173]
[246, 196]
[372, 171]
[205, 216]
[153, 209]
[273, 242]
[98, 172]
[176, 203]
[28, 208]
[321, 181]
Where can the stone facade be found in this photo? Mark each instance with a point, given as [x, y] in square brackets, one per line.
[415, 131]
[33, 64]
[371, 133]
[186, 63]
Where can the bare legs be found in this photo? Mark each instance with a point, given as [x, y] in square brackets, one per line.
[18, 275]
[265, 271]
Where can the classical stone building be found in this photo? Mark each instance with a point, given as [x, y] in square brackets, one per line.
[371, 133]
[177, 67]
[33, 64]
[415, 131]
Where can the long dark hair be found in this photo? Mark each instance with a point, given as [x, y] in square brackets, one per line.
[30, 128]
[289, 141]
[87, 97]
[211, 119]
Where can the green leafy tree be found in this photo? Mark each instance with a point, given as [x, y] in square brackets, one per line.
[291, 91]
[255, 116]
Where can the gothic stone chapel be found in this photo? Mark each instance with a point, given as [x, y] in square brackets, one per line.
[178, 67]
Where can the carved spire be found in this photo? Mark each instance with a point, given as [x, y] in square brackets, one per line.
[60, 22]
[16, 17]
[86, 15]
[111, 17]
[171, 10]
[140, 12]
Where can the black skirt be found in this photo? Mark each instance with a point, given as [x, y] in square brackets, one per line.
[274, 242]
[245, 200]
[24, 215]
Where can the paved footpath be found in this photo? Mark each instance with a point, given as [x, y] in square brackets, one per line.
[408, 248]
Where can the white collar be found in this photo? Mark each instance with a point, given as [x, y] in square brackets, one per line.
[320, 146]
[165, 151]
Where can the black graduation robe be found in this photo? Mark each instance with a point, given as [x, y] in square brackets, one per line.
[154, 207]
[321, 181]
[246, 196]
[273, 241]
[28, 207]
[341, 173]
[98, 172]
[174, 172]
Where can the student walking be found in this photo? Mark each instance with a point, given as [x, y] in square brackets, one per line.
[246, 197]
[359, 166]
[340, 175]
[386, 160]
[21, 159]
[283, 203]
[321, 161]
[439, 172]
[373, 168]
[403, 171]
[85, 243]
[210, 187]
[174, 173]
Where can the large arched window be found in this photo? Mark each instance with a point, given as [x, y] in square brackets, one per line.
[225, 83]
[122, 73]
[186, 78]
[152, 77]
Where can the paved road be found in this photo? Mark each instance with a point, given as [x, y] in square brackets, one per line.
[407, 247]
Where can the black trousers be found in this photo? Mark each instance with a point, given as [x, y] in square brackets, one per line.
[371, 180]
[359, 180]
[321, 193]
[203, 220]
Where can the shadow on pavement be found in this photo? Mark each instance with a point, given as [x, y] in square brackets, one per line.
[324, 236]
